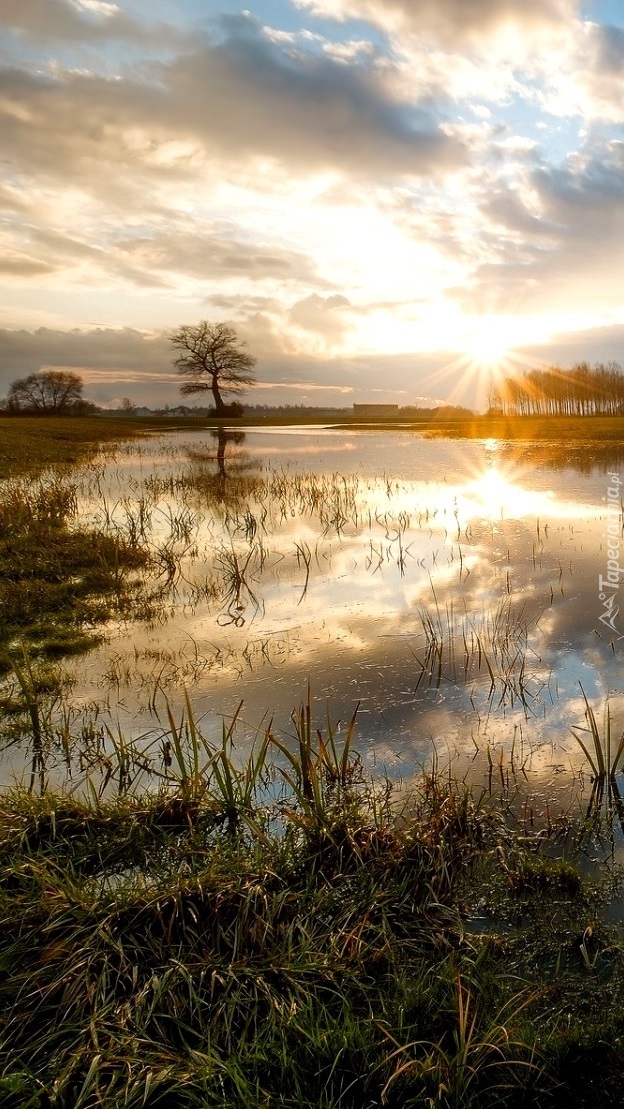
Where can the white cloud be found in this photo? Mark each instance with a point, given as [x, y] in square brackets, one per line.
[456, 23]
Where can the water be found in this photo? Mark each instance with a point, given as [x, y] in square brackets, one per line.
[449, 589]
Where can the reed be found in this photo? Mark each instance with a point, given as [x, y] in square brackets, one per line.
[601, 749]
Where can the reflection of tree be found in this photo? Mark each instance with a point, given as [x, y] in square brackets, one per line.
[235, 475]
[224, 438]
[583, 457]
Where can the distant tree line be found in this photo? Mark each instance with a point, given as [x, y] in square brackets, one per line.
[582, 390]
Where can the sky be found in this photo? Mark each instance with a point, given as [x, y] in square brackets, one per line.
[391, 201]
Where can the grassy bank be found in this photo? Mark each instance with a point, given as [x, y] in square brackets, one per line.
[58, 581]
[278, 933]
[29, 445]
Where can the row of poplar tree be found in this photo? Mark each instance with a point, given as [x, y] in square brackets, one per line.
[583, 390]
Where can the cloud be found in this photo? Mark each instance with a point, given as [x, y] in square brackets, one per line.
[158, 257]
[458, 51]
[203, 253]
[24, 352]
[82, 21]
[592, 344]
[19, 265]
[321, 315]
[275, 102]
[595, 81]
[454, 23]
[303, 109]
[557, 242]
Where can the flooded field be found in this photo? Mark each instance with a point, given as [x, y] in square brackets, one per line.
[460, 594]
[316, 738]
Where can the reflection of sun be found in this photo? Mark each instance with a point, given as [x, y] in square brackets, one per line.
[494, 490]
[495, 494]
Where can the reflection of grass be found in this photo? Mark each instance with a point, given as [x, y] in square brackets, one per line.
[492, 646]
[259, 933]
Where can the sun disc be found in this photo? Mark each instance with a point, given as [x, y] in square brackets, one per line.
[487, 348]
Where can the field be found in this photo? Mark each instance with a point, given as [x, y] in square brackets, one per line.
[28, 445]
[200, 923]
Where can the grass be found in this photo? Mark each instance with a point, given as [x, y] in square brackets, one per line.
[274, 931]
[58, 582]
[561, 429]
[29, 445]
[601, 749]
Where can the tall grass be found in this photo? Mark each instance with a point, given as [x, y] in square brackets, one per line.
[206, 944]
[273, 929]
[601, 749]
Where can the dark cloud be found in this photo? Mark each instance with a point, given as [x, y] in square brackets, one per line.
[156, 260]
[63, 252]
[595, 344]
[607, 46]
[599, 78]
[22, 266]
[24, 352]
[115, 362]
[282, 102]
[76, 127]
[202, 253]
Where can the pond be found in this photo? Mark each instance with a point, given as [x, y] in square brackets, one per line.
[462, 595]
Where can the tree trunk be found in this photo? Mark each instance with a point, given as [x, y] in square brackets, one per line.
[218, 400]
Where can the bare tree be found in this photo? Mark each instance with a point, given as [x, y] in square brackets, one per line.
[212, 359]
[49, 391]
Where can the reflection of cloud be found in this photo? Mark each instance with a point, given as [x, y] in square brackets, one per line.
[354, 626]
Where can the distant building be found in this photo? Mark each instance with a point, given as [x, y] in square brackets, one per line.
[376, 411]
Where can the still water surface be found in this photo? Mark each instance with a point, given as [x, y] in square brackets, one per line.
[450, 588]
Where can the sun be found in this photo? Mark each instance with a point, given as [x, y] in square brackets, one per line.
[488, 343]
[487, 350]
[488, 347]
